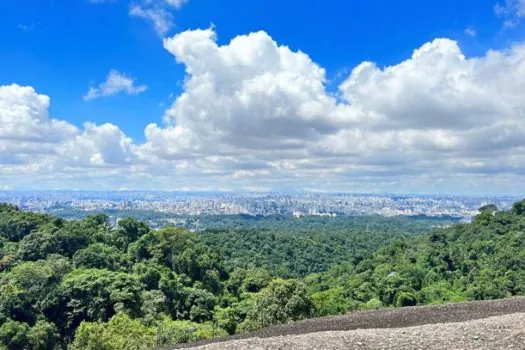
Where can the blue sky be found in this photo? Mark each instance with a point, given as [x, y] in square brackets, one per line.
[61, 48]
[72, 44]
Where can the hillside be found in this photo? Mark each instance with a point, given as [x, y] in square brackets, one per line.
[87, 285]
[478, 261]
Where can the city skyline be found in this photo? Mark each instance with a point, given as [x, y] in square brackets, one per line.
[255, 204]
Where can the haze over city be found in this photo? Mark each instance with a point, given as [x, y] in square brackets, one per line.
[83, 203]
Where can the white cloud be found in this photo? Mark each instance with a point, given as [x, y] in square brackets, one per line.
[511, 11]
[98, 145]
[115, 83]
[162, 19]
[176, 3]
[250, 94]
[257, 101]
[33, 144]
[256, 114]
[158, 12]
[24, 117]
[471, 32]
[440, 88]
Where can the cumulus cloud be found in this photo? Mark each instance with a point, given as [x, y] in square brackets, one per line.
[24, 117]
[34, 144]
[256, 100]
[255, 113]
[438, 87]
[437, 110]
[115, 83]
[250, 94]
[98, 145]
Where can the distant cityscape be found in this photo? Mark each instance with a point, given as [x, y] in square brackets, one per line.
[264, 204]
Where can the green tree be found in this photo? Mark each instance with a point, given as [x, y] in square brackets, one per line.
[120, 333]
[194, 304]
[373, 304]
[128, 231]
[90, 336]
[15, 304]
[228, 319]
[154, 306]
[71, 239]
[15, 225]
[13, 335]
[43, 336]
[37, 246]
[281, 302]
[172, 332]
[180, 250]
[99, 256]
[332, 302]
[34, 282]
[162, 245]
[95, 295]
[518, 208]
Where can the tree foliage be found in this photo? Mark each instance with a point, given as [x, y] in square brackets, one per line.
[87, 285]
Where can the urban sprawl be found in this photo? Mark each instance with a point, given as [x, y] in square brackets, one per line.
[265, 204]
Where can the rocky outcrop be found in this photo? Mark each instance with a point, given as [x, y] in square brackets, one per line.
[497, 324]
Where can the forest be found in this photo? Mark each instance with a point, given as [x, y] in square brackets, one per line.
[295, 247]
[85, 284]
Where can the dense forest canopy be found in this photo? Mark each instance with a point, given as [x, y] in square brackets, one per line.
[296, 247]
[88, 285]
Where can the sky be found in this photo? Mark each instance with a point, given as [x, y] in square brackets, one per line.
[198, 95]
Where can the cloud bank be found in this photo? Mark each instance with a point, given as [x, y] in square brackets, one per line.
[254, 113]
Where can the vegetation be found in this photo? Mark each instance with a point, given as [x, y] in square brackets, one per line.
[295, 247]
[87, 285]
[482, 260]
